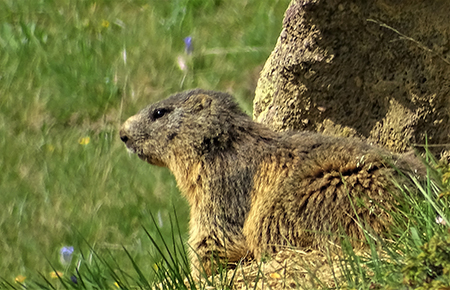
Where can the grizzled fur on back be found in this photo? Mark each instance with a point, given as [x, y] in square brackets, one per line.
[253, 191]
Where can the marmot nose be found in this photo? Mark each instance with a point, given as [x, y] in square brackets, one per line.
[123, 137]
[128, 127]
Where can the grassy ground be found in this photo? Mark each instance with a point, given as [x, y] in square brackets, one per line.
[70, 73]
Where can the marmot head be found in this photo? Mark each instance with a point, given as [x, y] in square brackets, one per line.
[185, 125]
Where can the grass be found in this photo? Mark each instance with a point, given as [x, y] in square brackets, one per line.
[415, 257]
[70, 73]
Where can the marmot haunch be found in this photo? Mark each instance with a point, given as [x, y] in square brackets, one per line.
[254, 191]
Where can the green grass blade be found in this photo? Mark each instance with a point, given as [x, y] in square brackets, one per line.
[142, 279]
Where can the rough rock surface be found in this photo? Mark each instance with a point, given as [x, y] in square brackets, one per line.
[373, 69]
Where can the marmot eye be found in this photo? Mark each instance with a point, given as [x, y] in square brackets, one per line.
[158, 113]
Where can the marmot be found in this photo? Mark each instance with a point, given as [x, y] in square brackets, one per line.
[253, 191]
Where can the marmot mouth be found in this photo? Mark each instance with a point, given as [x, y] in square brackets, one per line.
[131, 150]
[152, 161]
[142, 157]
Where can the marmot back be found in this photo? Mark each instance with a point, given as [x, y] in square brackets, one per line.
[253, 191]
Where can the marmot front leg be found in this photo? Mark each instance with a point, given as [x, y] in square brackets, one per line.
[211, 254]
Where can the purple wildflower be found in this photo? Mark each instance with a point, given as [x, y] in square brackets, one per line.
[188, 45]
[65, 255]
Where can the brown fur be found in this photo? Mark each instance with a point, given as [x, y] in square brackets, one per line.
[252, 190]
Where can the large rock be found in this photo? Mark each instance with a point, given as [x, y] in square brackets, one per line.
[373, 69]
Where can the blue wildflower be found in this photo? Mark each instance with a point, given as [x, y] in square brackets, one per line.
[188, 45]
[74, 279]
[65, 255]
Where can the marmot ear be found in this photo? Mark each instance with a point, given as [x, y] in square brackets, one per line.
[200, 102]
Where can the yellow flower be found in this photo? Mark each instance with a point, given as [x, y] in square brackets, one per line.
[155, 266]
[105, 23]
[84, 140]
[20, 279]
[275, 275]
[116, 284]
[56, 274]
[50, 148]
[446, 177]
